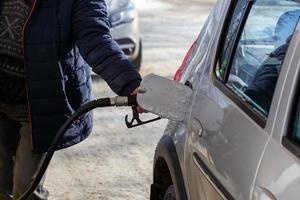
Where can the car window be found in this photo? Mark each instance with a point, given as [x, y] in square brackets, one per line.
[231, 35]
[292, 140]
[296, 129]
[260, 50]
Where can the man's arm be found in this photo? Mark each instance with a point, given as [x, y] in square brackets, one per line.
[92, 37]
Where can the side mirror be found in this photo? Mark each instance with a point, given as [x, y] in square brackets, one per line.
[164, 97]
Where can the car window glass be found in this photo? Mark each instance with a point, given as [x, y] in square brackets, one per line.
[296, 131]
[260, 51]
[231, 36]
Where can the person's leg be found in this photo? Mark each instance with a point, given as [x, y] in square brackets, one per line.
[9, 137]
[26, 165]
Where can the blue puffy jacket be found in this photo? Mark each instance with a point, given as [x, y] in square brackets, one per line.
[62, 40]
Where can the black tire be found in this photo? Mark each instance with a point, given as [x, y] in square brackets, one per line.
[138, 61]
[170, 194]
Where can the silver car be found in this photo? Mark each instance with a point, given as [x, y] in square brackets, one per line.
[240, 135]
[124, 23]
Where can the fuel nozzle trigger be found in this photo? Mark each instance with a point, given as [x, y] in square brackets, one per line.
[136, 121]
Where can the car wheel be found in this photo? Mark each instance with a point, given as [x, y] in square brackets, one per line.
[138, 61]
[170, 194]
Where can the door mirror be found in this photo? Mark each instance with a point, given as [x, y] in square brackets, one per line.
[164, 97]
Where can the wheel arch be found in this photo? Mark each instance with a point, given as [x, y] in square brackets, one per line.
[167, 171]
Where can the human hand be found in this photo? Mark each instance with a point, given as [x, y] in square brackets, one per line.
[138, 108]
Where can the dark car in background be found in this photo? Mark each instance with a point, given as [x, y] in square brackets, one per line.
[124, 24]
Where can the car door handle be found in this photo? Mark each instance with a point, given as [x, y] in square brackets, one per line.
[261, 193]
[196, 127]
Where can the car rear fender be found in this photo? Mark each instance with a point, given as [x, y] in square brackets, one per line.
[167, 171]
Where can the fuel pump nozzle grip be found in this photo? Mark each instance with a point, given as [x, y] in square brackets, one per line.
[130, 101]
[136, 121]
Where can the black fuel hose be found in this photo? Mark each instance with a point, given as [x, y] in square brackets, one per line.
[99, 103]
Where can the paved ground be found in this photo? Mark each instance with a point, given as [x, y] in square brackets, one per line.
[114, 162]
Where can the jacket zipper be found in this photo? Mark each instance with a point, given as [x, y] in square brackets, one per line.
[23, 48]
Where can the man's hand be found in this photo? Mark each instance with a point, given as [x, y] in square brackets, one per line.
[135, 92]
[138, 108]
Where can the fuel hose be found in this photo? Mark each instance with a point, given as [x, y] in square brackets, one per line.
[99, 103]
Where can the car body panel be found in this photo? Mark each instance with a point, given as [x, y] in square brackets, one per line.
[115, 5]
[127, 35]
[178, 129]
[284, 98]
[279, 172]
[223, 152]
[131, 32]
[221, 145]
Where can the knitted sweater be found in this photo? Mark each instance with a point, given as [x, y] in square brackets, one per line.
[13, 14]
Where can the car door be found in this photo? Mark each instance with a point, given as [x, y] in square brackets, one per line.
[279, 173]
[228, 128]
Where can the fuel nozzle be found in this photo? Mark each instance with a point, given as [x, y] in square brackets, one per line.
[123, 101]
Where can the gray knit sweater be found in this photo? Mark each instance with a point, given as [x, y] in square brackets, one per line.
[13, 14]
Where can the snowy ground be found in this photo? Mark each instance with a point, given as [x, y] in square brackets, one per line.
[115, 163]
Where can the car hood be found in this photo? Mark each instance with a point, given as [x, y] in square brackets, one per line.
[114, 5]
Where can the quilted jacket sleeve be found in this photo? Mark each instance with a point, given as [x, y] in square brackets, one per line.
[92, 37]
